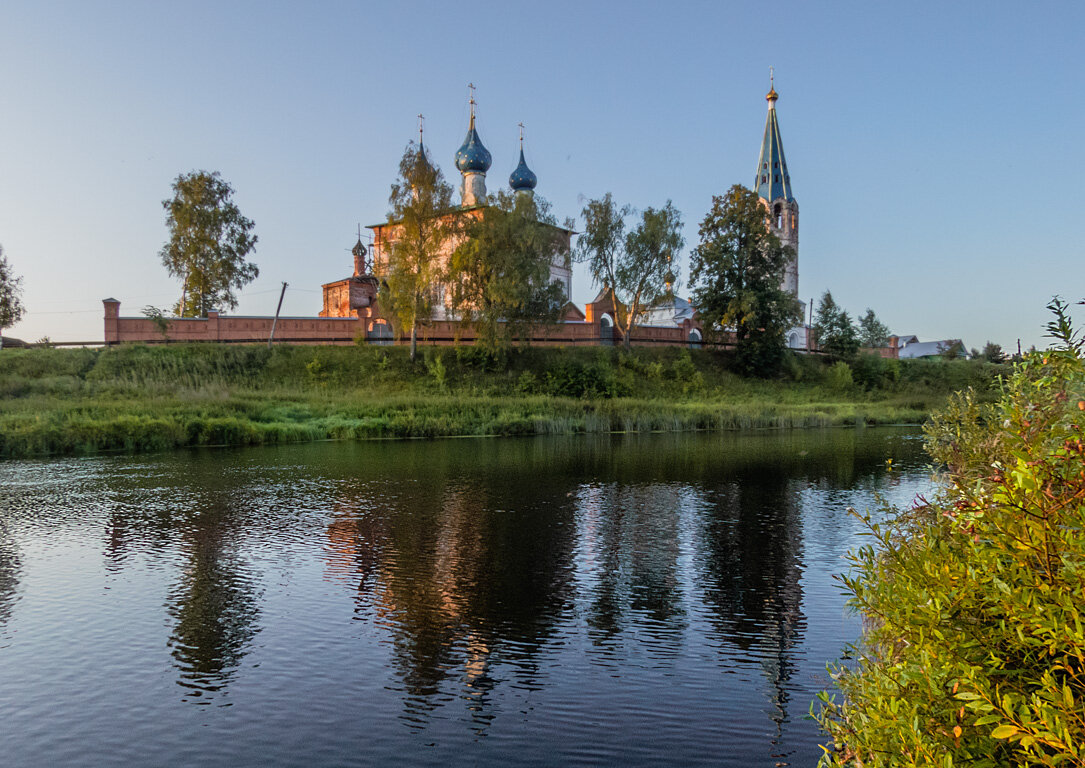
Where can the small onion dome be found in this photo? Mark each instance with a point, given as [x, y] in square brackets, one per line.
[523, 178]
[358, 250]
[472, 156]
[421, 156]
[772, 95]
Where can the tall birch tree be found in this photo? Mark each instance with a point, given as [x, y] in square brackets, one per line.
[422, 219]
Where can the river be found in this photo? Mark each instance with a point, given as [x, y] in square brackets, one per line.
[592, 600]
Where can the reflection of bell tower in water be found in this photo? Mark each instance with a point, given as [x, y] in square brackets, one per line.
[754, 566]
[773, 185]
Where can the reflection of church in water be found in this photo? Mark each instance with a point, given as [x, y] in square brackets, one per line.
[674, 321]
[481, 579]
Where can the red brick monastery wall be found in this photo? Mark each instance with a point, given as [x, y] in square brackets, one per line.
[346, 330]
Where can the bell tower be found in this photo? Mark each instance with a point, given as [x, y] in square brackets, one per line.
[773, 185]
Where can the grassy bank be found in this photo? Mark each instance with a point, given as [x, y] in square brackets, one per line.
[140, 398]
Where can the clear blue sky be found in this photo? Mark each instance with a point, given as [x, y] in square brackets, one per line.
[934, 148]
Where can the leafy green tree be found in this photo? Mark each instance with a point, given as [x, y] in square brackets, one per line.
[836, 333]
[422, 218]
[737, 270]
[208, 244]
[973, 650]
[952, 350]
[993, 353]
[11, 305]
[649, 274]
[499, 274]
[637, 268]
[159, 319]
[873, 333]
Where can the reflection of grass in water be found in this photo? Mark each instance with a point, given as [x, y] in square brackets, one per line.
[141, 398]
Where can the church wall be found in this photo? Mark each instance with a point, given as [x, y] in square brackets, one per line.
[345, 330]
[237, 329]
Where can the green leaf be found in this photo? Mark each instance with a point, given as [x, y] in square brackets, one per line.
[1003, 732]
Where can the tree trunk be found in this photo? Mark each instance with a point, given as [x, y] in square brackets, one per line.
[414, 340]
[184, 295]
[630, 318]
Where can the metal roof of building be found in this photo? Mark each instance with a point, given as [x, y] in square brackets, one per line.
[917, 349]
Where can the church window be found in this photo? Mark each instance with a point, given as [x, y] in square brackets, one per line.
[776, 165]
[778, 213]
[764, 178]
[777, 178]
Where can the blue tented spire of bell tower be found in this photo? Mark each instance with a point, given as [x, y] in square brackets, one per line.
[773, 180]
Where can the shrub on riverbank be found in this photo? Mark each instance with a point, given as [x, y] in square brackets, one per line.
[974, 646]
[143, 397]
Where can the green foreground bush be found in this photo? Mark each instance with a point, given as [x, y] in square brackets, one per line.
[973, 650]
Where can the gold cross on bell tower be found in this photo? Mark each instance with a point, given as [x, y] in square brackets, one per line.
[521, 135]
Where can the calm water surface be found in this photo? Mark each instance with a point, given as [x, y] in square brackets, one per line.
[633, 601]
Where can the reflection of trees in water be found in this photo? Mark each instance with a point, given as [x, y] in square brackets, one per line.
[214, 604]
[629, 549]
[467, 572]
[10, 566]
[468, 557]
[192, 510]
[752, 539]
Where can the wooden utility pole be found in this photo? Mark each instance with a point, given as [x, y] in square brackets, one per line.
[275, 322]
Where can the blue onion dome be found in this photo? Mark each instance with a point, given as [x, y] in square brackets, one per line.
[523, 178]
[472, 156]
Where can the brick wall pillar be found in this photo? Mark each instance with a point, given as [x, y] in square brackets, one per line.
[213, 325]
[112, 312]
